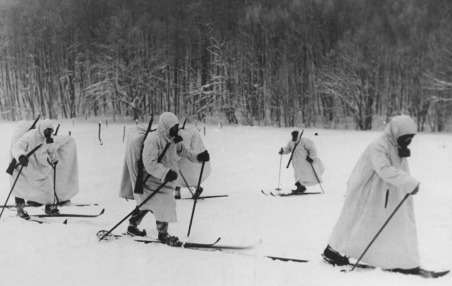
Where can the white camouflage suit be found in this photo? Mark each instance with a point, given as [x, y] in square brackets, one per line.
[36, 180]
[162, 204]
[378, 172]
[302, 169]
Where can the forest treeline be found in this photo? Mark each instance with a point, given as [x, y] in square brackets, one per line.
[284, 63]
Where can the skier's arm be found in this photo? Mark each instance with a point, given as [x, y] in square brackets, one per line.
[151, 152]
[288, 148]
[182, 151]
[310, 148]
[382, 165]
[21, 146]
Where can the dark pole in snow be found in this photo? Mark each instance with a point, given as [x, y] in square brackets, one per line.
[293, 151]
[196, 197]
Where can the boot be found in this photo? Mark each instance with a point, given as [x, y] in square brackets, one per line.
[333, 257]
[133, 230]
[300, 189]
[177, 193]
[20, 211]
[51, 210]
[169, 239]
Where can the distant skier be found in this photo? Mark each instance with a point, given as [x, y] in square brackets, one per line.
[190, 171]
[304, 159]
[161, 166]
[378, 183]
[36, 182]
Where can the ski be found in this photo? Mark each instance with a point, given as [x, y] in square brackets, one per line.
[35, 206]
[69, 215]
[423, 273]
[189, 245]
[286, 259]
[35, 220]
[290, 194]
[287, 194]
[206, 197]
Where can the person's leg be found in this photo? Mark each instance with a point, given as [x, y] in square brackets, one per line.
[134, 221]
[177, 193]
[20, 204]
[164, 237]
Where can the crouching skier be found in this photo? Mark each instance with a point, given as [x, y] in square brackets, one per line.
[304, 160]
[36, 180]
[160, 155]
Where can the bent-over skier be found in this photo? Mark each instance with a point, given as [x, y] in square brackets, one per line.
[304, 160]
[160, 155]
[36, 182]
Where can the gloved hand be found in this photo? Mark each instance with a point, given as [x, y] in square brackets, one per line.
[281, 151]
[203, 156]
[309, 159]
[23, 160]
[170, 176]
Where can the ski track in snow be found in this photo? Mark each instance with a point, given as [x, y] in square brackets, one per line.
[244, 161]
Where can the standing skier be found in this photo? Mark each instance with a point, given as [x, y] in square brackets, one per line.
[190, 171]
[36, 182]
[303, 161]
[378, 183]
[160, 155]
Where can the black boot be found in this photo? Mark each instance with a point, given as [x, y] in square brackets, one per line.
[169, 239]
[20, 211]
[51, 210]
[133, 230]
[300, 188]
[333, 257]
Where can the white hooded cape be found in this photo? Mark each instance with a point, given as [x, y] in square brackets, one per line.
[365, 210]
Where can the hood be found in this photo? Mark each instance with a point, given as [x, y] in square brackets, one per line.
[44, 124]
[398, 126]
[166, 121]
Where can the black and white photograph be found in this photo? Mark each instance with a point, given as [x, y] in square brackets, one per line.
[225, 142]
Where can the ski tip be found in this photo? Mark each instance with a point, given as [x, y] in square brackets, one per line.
[65, 222]
[102, 211]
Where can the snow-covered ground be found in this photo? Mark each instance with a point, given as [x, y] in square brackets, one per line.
[244, 161]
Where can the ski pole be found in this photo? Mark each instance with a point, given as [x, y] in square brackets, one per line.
[147, 199]
[54, 181]
[12, 188]
[381, 229]
[185, 181]
[279, 177]
[196, 198]
[293, 151]
[317, 177]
